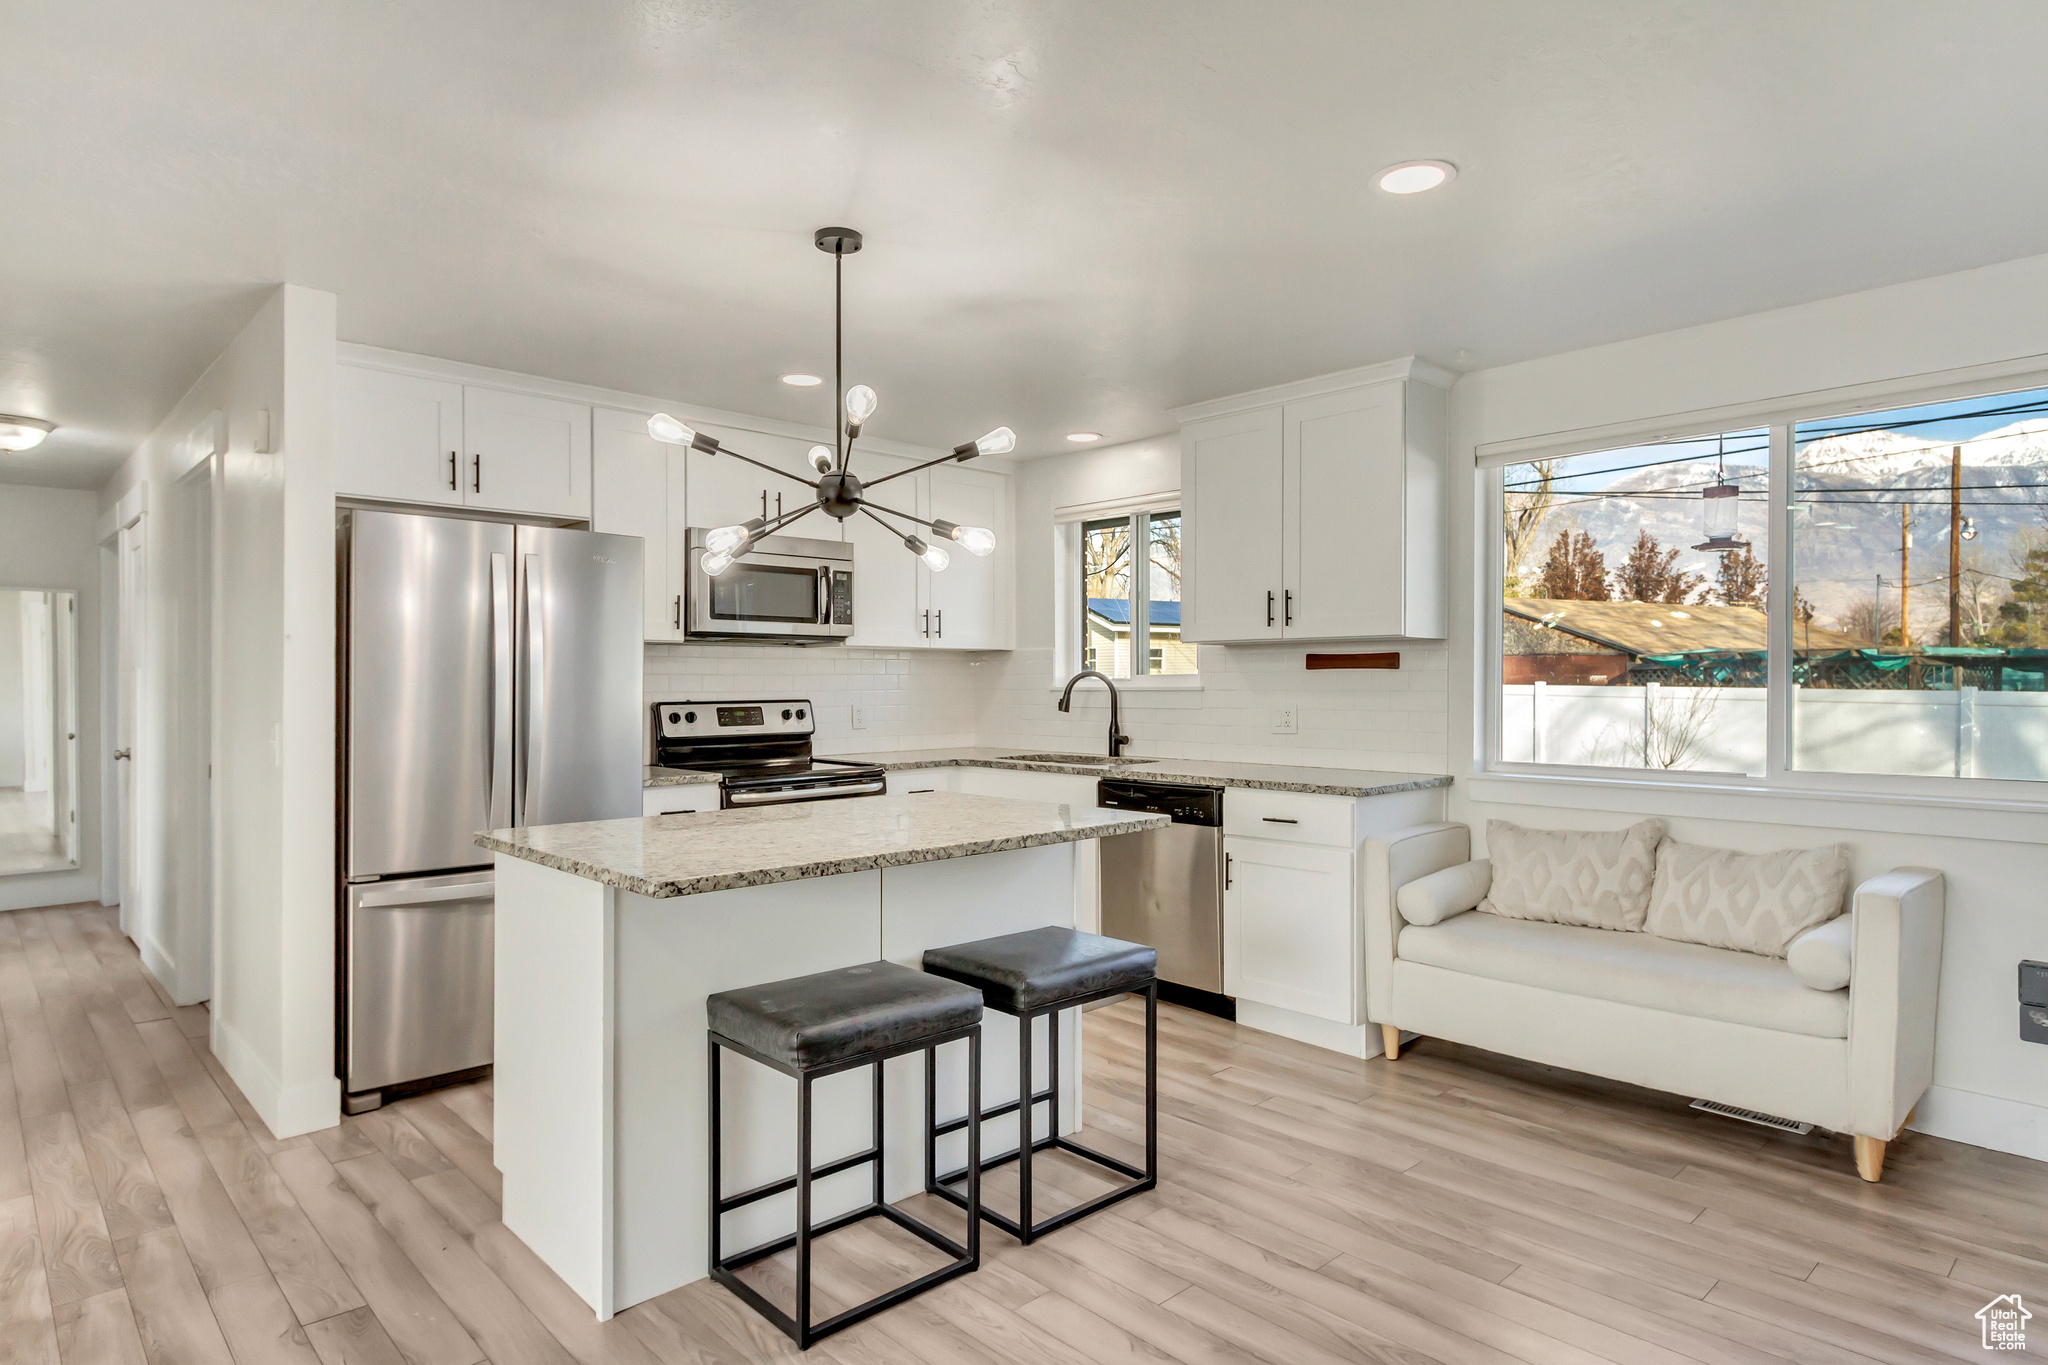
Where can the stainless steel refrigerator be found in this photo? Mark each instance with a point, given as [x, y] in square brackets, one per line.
[490, 676]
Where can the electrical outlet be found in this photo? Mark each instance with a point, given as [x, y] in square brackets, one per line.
[860, 718]
[1286, 720]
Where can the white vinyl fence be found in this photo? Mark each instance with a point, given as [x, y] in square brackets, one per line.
[1963, 733]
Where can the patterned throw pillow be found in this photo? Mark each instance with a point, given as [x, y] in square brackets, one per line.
[1600, 879]
[1755, 902]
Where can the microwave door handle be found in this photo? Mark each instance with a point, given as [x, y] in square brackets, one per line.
[824, 594]
[535, 692]
[501, 692]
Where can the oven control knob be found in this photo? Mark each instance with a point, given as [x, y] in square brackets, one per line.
[673, 717]
[690, 717]
[799, 714]
[785, 713]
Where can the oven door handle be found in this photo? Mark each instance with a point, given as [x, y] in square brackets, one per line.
[872, 787]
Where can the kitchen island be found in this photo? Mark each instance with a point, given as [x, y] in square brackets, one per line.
[611, 934]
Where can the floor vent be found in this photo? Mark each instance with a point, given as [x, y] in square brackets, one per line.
[1729, 1111]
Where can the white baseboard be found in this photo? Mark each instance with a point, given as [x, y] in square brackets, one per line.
[289, 1111]
[158, 964]
[1353, 1040]
[1984, 1121]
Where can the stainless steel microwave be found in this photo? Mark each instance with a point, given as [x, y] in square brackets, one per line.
[785, 588]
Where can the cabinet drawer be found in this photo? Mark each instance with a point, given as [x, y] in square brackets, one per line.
[697, 796]
[1288, 816]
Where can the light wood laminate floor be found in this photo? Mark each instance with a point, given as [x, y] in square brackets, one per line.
[1456, 1206]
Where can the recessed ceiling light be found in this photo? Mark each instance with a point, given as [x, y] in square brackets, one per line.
[1084, 437]
[802, 381]
[22, 433]
[1413, 177]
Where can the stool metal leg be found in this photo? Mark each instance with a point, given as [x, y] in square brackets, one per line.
[973, 1150]
[803, 1211]
[1025, 1128]
[717, 1138]
[1152, 1084]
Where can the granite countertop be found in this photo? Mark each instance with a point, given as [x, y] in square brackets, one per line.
[677, 777]
[683, 855]
[1272, 777]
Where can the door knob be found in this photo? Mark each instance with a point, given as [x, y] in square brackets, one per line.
[123, 753]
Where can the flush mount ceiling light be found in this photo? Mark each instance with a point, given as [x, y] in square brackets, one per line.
[23, 433]
[802, 381]
[1084, 437]
[1413, 177]
[839, 493]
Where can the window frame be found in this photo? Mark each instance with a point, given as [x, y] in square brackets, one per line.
[1781, 417]
[1139, 520]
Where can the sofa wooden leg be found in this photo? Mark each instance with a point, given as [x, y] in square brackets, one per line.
[1870, 1158]
[1390, 1040]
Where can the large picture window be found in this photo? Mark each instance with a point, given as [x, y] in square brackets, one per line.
[1641, 628]
[1130, 595]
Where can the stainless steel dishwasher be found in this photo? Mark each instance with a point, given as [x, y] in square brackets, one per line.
[1165, 887]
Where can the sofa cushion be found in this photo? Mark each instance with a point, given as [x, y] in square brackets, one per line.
[1598, 878]
[1452, 891]
[1823, 955]
[1630, 969]
[1754, 902]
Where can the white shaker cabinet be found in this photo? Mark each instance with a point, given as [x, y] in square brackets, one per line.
[636, 489]
[887, 579]
[970, 600]
[525, 453]
[1288, 926]
[397, 436]
[1326, 497]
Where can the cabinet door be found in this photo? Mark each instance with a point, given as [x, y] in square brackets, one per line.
[397, 436]
[525, 454]
[1231, 502]
[1287, 927]
[886, 577]
[724, 491]
[629, 496]
[1345, 515]
[970, 599]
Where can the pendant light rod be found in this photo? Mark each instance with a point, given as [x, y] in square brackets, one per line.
[758, 464]
[943, 459]
[839, 440]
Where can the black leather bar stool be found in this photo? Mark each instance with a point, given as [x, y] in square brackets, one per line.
[813, 1026]
[1041, 972]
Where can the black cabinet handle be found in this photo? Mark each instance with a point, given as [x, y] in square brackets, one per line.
[942, 623]
[927, 625]
[452, 484]
[1290, 608]
[679, 611]
[1278, 820]
[1226, 872]
[477, 475]
[1269, 609]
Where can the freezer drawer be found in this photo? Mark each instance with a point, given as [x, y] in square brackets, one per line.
[419, 979]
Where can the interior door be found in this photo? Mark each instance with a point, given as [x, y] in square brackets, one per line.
[128, 738]
[886, 611]
[397, 436]
[629, 496]
[427, 639]
[579, 668]
[970, 609]
[1344, 463]
[525, 453]
[1232, 528]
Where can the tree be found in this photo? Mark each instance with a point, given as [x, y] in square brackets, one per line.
[1871, 621]
[2023, 616]
[1651, 573]
[1979, 595]
[1741, 581]
[1106, 559]
[1524, 509]
[1574, 570]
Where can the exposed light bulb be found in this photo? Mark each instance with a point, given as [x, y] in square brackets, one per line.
[23, 433]
[976, 540]
[1001, 441]
[669, 431]
[860, 404]
[822, 459]
[716, 563]
[934, 556]
[726, 540]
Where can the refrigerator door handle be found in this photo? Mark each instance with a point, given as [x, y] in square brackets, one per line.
[534, 701]
[501, 691]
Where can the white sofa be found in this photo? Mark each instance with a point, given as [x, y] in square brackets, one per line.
[1710, 1023]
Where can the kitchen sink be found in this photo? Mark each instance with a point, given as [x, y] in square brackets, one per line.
[1092, 760]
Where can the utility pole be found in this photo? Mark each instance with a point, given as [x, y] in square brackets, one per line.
[1905, 574]
[1876, 610]
[1955, 547]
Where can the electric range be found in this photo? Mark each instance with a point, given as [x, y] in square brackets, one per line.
[761, 751]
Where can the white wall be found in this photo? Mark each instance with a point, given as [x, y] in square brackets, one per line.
[1990, 1088]
[1348, 719]
[47, 541]
[913, 698]
[272, 989]
[13, 711]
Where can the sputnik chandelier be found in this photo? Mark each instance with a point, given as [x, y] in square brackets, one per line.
[840, 493]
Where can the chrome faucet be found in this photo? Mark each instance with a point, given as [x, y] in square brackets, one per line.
[1117, 737]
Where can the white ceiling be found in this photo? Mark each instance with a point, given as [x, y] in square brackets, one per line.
[1078, 214]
